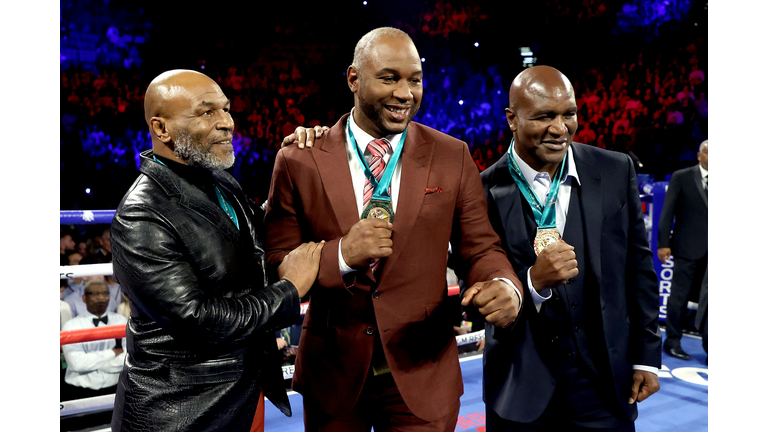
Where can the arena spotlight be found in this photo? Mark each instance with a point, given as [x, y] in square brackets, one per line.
[527, 55]
[461, 102]
[88, 191]
[365, 3]
[477, 44]
[423, 59]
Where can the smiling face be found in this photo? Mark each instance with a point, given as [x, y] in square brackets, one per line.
[387, 86]
[191, 117]
[542, 117]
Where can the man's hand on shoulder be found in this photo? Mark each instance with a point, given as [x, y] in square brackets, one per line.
[304, 136]
[496, 300]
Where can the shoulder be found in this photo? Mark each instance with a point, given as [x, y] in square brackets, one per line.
[76, 323]
[496, 173]
[606, 162]
[116, 318]
[425, 133]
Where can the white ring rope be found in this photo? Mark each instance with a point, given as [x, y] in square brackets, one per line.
[85, 270]
[101, 403]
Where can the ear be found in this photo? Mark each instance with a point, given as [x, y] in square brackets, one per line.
[511, 119]
[159, 128]
[353, 79]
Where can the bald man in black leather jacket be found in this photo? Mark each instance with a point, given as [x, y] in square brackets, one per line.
[200, 340]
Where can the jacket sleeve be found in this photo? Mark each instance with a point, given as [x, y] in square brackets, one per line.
[473, 236]
[154, 270]
[668, 211]
[642, 286]
[286, 225]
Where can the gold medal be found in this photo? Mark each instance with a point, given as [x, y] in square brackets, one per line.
[544, 238]
[377, 209]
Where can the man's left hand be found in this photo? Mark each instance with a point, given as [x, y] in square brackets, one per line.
[304, 136]
[496, 300]
[644, 384]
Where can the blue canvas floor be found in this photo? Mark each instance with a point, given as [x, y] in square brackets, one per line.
[681, 404]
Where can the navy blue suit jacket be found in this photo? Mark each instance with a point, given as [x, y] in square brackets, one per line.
[518, 382]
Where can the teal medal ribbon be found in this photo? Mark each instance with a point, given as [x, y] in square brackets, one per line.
[227, 207]
[223, 201]
[545, 213]
[380, 206]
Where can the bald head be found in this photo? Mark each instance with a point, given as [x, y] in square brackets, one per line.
[538, 81]
[189, 120]
[366, 43]
[542, 117]
[167, 87]
[703, 155]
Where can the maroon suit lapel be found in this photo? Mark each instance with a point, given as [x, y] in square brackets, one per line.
[416, 165]
[332, 164]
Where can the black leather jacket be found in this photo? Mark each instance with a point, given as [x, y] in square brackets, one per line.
[200, 340]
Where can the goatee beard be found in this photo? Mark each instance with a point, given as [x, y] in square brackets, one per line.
[196, 154]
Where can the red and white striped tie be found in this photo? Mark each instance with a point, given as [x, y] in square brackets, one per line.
[378, 148]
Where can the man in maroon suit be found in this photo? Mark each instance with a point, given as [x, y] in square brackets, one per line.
[388, 195]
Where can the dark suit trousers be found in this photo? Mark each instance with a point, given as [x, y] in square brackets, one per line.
[381, 407]
[687, 274]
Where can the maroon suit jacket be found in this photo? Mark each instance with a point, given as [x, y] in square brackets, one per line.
[441, 199]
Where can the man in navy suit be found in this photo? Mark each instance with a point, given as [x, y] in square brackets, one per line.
[586, 346]
[686, 203]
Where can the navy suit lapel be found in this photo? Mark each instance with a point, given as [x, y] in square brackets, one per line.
[695, 177]
[592, 205]
[512, 212]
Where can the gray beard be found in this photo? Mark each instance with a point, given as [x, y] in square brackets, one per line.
[195, 154]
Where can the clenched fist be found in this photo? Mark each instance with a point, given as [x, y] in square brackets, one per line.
[496, 300]
[367, 241]
[554, 266]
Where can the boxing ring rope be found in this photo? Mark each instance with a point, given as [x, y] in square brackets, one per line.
[107, 402]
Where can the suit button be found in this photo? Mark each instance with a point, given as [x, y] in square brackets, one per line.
[376, 294]
[573, 305]
[576, 329]
[369, 331]
[569, 281]
[554, 339]
[571, 354]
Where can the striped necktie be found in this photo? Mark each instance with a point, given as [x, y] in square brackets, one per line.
[377, 148]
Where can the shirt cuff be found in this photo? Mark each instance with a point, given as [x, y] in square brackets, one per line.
[536, 296]
[519, 297]
[343, 267]
[650, 369]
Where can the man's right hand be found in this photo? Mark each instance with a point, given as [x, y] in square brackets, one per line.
[554, 266]
[300, 267]
[664, 254]
[367, 241]
[117, 351]
[304, 136]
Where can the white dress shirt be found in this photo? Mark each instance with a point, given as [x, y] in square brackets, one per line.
[704, 173]
[540, 183]
[358, 182]
[358, 174]
[93, 364]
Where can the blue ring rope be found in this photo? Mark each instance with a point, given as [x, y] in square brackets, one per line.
[86, 217]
